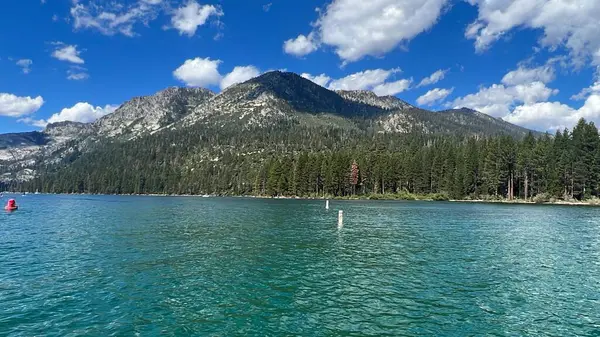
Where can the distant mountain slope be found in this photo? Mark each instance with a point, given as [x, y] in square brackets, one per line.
[11, 140]
[484, 124]
[370, 98]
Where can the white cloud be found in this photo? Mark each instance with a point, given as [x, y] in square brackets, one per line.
[238, 75]
[392, 88]
[523, 75]
[526, 103]
[35, 122]
[357, 28]
[82, 112]
[554, 115]
[204, 72]
[114, 18]
[595, 88]
[15, 106]
[434, 95]
[300, 46]
[572, 24]
[77, 73]
[375, 80]
[434, 78]
[498, 100]
[267, 7]
[68, 53]
[186, 19]
[321, 80]
[25, 65]
[199, 72]
[364, 80]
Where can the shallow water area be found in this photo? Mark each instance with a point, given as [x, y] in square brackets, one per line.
[126, 265]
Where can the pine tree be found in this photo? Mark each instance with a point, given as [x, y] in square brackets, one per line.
[354, 176]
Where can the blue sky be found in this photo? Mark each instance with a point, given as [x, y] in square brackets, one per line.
[531, 62]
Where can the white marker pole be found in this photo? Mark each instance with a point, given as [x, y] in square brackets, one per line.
[340, 219]
[327, 204]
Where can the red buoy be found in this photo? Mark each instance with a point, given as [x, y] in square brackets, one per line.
[11, 205]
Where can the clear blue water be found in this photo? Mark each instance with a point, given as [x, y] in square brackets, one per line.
[123, 266]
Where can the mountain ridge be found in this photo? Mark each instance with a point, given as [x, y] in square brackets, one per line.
[272, 100]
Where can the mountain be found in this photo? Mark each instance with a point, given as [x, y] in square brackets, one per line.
[21, 152]
[150, 113]
[276, 111]
[370, 98]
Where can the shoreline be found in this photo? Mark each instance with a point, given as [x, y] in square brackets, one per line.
[524, 202]
[592, 203]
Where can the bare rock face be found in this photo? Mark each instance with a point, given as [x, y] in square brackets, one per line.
[150, 113]
[370, 98]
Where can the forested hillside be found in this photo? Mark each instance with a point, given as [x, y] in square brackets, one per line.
[292, 161]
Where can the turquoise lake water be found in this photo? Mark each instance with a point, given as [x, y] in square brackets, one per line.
[177, 266]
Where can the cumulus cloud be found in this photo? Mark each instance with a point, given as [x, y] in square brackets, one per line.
[565, 23]
[82, 112]
[583, 94]
[301, 46]
[527, 103]
[376, 80]
[31, 121]
[355, 28]
[555, 115]
[434, 78]
[523, 75]
[498, 100]
[204, 72]
[199, 72]
[188, 18]
[363, 80]
[68, 53]
[392, 88]
[114, 18]
[321, 80]
[238, 75]
[16, 106]
[434, 95]
[25, 65]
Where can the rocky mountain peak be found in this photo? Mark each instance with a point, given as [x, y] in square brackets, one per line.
[150, 113]
[370, 98]
[301, 94]
[67, 129]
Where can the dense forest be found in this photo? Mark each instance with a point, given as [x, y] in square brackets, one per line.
[288, 161]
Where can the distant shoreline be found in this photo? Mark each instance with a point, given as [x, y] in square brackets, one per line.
[594, 203]
[523, 202]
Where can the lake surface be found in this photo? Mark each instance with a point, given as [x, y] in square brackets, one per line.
[147, 266]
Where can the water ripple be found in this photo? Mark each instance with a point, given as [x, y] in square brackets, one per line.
[115, 266]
